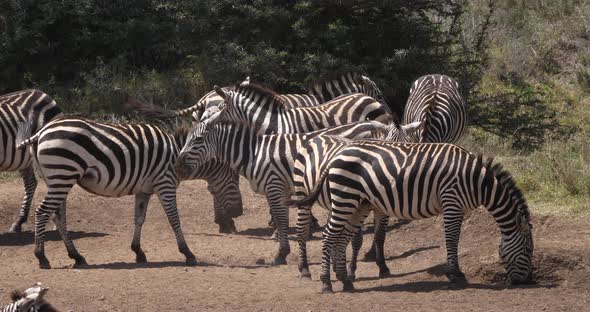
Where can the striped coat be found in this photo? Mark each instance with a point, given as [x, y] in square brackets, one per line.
[410, 181]
[35, 109]
[108, 160]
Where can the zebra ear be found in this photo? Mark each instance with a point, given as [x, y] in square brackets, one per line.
[220, 91]
[412, 127]
[212, 120]
[246, 82]
[380, 126]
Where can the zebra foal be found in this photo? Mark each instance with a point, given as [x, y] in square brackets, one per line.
[17, 108]
[30, 300]
[110, 160]
[410, 181]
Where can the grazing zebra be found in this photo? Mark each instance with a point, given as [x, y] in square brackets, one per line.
[410, 181]
[30, 300]
[435, 112]
[36, 108]
[265, 160]
[109, 160]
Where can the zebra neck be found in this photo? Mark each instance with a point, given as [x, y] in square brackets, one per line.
[500, 205]
[237, 146]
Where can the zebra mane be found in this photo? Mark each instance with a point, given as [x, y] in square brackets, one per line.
[428, 113]
[16, 295]
[396, 100]
[336, 75]
[507, 181]
[255, 128]
[261, 90]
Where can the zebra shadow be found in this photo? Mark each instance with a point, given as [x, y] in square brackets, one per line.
[28, 238]
[430, 286]
[145, 265]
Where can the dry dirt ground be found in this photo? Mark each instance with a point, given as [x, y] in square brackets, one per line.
[229, 278]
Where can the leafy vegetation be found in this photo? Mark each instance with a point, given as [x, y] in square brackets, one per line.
[524, 66]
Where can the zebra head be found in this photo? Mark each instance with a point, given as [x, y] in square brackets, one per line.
[31, 300]
[403, 133]
[212, 103]
[516, 249]
[196, 150]
[372, 90]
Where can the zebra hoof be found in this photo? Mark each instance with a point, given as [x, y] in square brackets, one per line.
[44, 265]
[327, 289]
[140, 258]
[305, 274]
[279, 260]
[191, 261]
[80, 264]
[383, 273]
[456, 277]
[347, 286]
[15, 228]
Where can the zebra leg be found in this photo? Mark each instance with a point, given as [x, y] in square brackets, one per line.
[280, 217]
[167, 196]
[327, 247]
[351, 227]
[453, 218]
[379, 243]
[141, 203]
[62, 227]
[357, 243]
[303, 232]
[53, 201]
[227, 199]
[28, 175]
[370, 255]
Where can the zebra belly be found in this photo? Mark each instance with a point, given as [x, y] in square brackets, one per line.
[94, 183]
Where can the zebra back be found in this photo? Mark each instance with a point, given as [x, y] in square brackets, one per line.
[435, 101]
[22, 114]
[255, 104]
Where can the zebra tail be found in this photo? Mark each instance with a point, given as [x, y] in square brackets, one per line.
[23, 135]
[313, 195]
[155, 112]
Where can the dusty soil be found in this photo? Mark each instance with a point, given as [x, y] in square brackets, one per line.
[229, 278]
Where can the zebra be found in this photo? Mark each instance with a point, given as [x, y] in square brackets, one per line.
[435, 112]
[326, 88]
[16, 108]
[265, 160]
[109, 160]
[30, 300]
[223, 183]
[255, 104]
[411, 181]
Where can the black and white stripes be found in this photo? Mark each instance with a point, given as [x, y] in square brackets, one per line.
[109, 160]
[34, 108]
[29, 300]
[411, 181]
[265, 160]
[435, 112]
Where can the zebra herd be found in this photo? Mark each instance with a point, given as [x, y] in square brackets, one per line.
[339, 146]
